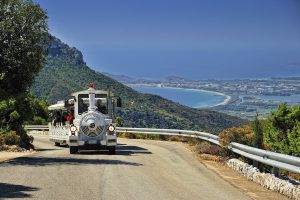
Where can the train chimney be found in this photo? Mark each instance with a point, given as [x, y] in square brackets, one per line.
[91, 90]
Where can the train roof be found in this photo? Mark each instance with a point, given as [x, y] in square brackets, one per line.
[61, 104]
[95, 91]
[58, 106]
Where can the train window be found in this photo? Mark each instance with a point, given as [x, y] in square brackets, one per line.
[101, 103]
[100, 95]
[83, 103]
[102, 106]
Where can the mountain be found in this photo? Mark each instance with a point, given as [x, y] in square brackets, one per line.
[66, 72]
[121, 78]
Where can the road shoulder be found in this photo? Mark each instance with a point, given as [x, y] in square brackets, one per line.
[252, 189]
[4, 155]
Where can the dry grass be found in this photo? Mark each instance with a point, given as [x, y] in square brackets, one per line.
[211, 158]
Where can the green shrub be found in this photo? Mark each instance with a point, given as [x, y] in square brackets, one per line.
[282, 130]
[243, 135]
[11, 138]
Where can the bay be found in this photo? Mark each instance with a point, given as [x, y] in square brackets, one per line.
[189, 97]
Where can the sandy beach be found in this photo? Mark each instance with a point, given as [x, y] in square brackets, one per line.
[225, 102]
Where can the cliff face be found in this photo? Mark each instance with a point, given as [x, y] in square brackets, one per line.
[57, 49]
[66, 72]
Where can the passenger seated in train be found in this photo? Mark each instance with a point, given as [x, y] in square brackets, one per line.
[70, 117]
[64, 118]
[57, 118]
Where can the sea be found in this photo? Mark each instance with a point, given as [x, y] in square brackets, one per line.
[189, 97]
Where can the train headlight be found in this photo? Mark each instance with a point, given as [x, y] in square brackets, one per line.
[111, 128]
[73, 128]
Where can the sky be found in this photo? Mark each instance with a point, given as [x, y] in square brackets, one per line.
[198, 39]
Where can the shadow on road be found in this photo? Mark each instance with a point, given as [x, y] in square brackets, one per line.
[46, 161]
[15, 191]
[122, 149]
[48, 149]
[129, 150]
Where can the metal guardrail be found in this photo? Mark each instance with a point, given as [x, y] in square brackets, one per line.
[281, 161]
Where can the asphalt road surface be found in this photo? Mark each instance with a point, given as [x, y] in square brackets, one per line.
[139, 170]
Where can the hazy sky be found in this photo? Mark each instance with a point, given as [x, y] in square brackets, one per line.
[196, 39]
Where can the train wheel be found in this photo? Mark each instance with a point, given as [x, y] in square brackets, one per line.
[73, 150]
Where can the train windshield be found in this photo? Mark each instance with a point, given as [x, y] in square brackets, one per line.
[101, 103]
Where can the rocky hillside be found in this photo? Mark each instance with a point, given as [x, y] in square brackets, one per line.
[66, 72]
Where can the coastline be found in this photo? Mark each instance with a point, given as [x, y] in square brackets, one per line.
[225, 102]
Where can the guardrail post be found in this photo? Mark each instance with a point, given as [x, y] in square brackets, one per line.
[275, 171]
[255, 163]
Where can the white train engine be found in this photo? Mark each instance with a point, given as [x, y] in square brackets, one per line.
[85, 121]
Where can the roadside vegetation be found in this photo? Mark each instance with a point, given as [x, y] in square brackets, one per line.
[280, 132]
[23, 36]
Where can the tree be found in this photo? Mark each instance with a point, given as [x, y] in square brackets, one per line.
[258, 139]
[294, 140]
[258, 133]
[23, 43]
[282, 130]
[281, 121]
[14, 111]
[23, 39]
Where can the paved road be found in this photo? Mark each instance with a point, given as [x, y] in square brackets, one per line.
[140, 170]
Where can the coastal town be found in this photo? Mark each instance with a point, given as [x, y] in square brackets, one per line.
[244, 98]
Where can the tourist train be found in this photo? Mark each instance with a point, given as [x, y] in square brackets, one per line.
[85, 121]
